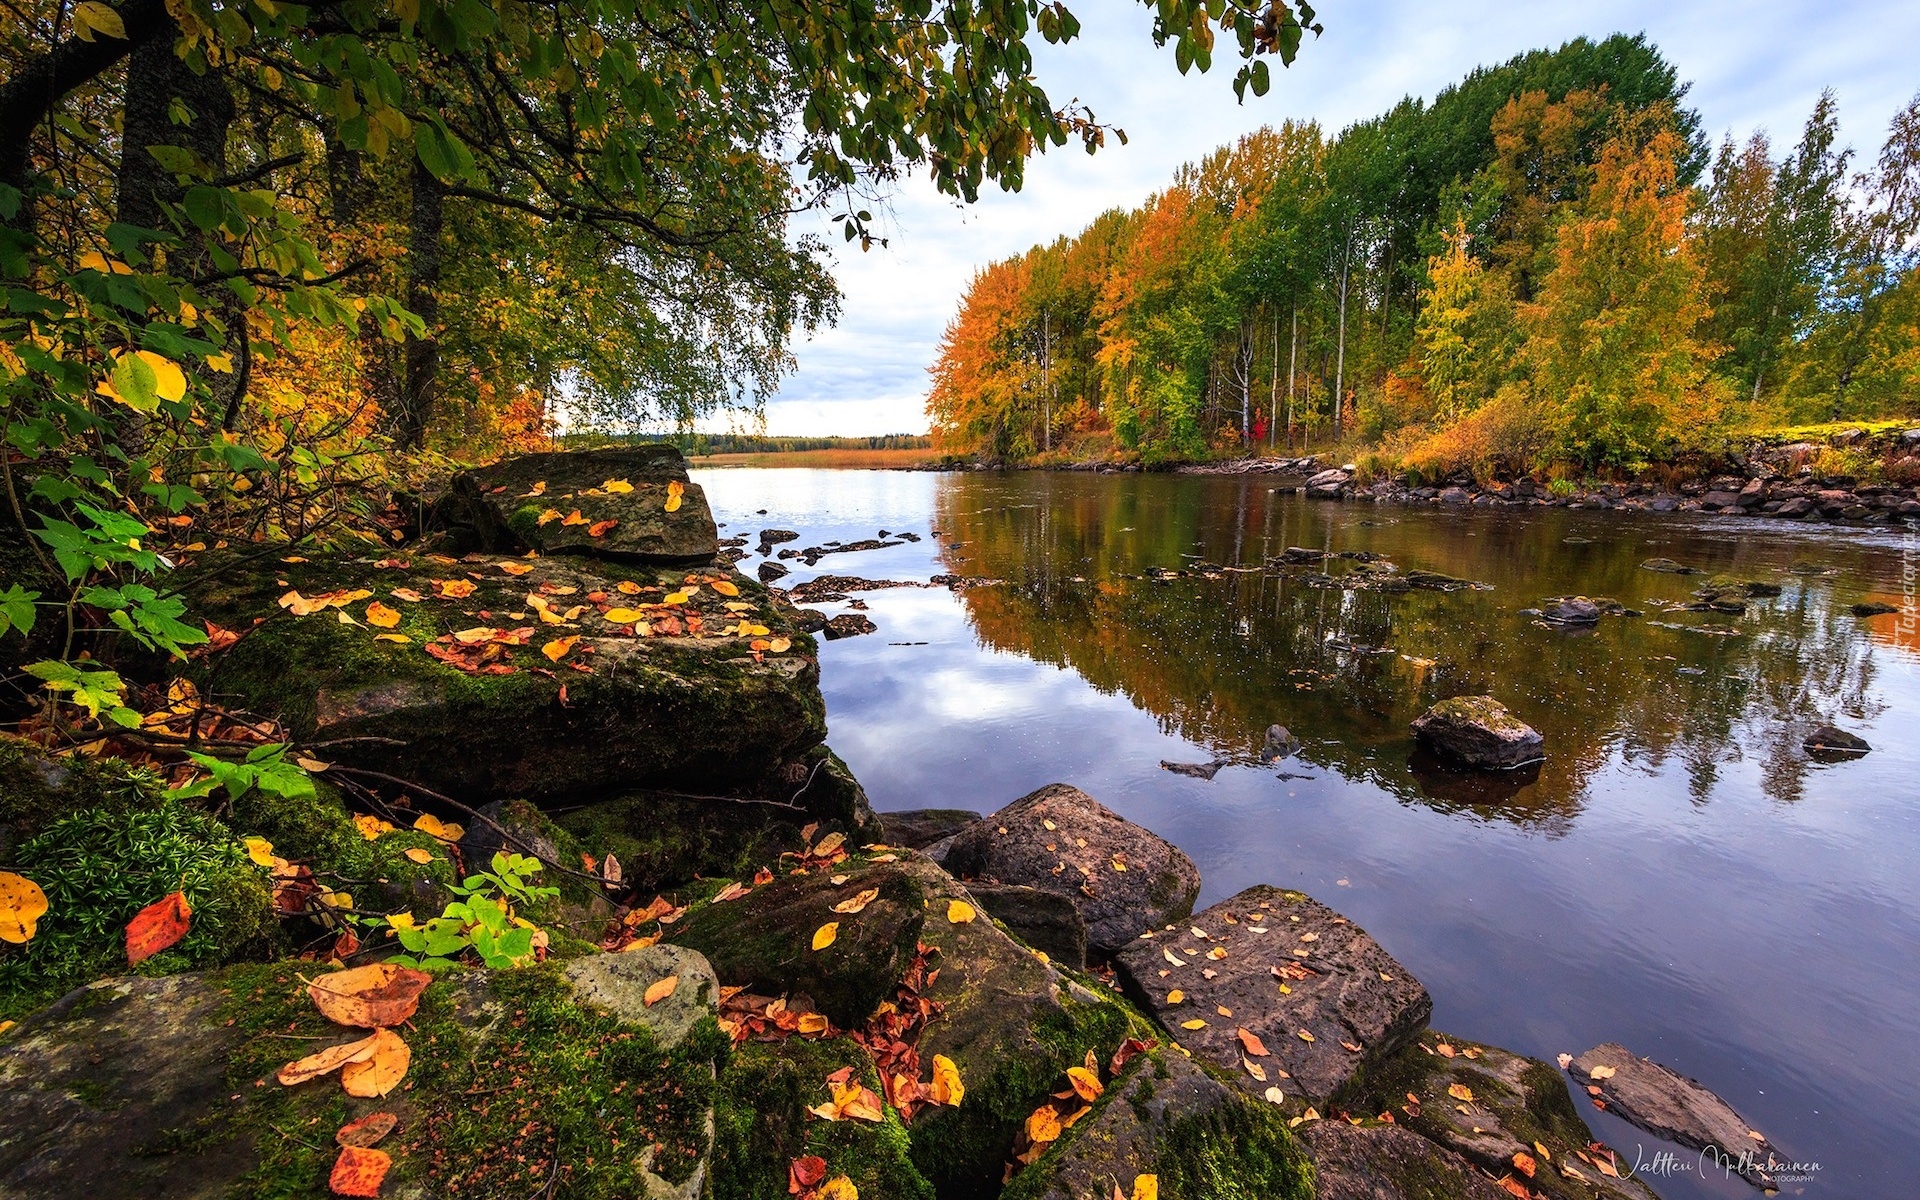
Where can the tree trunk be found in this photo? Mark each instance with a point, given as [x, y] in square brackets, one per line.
[1293, 364]
[423, 277]
[1340, 367]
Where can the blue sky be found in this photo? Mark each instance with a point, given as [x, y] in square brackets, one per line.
[1753, 64]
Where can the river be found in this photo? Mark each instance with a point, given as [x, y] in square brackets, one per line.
[1679, 877]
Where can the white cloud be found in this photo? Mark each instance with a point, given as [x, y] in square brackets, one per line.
[1752, 65]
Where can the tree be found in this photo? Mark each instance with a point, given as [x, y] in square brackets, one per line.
[1465, 336]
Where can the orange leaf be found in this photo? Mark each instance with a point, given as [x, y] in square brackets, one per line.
[1525, 1163]
[804, 1173]
[157, 926]
[659, 990]
[1253, 1044]
[382, 1070]
[359, 1171]
[382, 616]
[420, 855]
[367, 1131]
[558, 648]
[516, 568]
[1460, 1091]
[324, 1062]
[601, 528]
[1043, 1125]
[573, 518]
[947, 1088]
[1513, 1187]
[726, 587]
[370, 997]
[1085, 1083]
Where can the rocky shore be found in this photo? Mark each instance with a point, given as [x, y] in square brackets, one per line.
[732, 978]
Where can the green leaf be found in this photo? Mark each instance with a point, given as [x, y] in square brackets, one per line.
[16, 609]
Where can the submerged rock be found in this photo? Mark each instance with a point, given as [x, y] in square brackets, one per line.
[560, 503]
[1479, 732]
[1872, 608]
[1123, 878]
[1667, 1104]
[1347, 1007]
[1831, 744]
[1205, 770]
[1668, 567]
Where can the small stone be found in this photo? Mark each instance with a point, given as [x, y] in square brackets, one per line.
[1668, 566]
[1833, 743]
[1478, 731]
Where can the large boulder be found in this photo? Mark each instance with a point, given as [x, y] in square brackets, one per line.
[1123, 878]
[1507, 1114]
[632, 503]
[1166, 1117]
[489, 678]
[1478, 732]
[1667, 1104]
[1322, 999]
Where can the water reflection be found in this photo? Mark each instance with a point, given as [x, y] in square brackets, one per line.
[1237, 640]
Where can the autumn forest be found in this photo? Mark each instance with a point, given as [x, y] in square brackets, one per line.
[1548, 266]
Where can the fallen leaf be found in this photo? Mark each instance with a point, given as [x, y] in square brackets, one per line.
[259, 849]
[1460, 1091]
[516, 568]
[856, 903]
[1565, 1061]
[1176, 996]
[419, 854]
[1085, 1083]
[1513, 1187]
[1146, 1187]
[1168, 954]
[359, 1171]
[803, 1174]
[959, 912]
[370, 997]
[725, 587]
[398, 638]
[558, 648]
[573, 518]
[1525, 1163]
[623, 616]
[823, 936]
[452, 589]
[367, 1131]
[371, 827]
[1305, 1036]
[1252, 1043]
[381, 1070]
[618, 487]
[1443, 1049]
[1043, 1125]
[407, 594]
[1254, 1069]
[156, 927]
[779, 645]
[601, 528]
[660, 990]
[1601, 1073]
[324, 1062]
[22, 904]
[434, 827]
[676, 491]
[1196, 1023]
[947, 1088]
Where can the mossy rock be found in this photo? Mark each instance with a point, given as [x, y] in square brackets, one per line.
[664, 840]
[500, 508]
[693, 708]
[761, 1124]
[37, 788]
[1518, 1104]
[318, 832]
[1165, 1116]
[1387, 1162]
[764, 940]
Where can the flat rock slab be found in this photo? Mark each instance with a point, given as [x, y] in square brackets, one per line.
[618, 983]
[1341, 990]
[1669, 1105]
[1478, 732]
[1388, 1163]
[92, 1088]
[1501, 1111]
[1123, 878]
[507, 506]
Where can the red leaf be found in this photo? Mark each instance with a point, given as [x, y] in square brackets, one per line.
[359, 1171]
[157, 926]
[803, 1173]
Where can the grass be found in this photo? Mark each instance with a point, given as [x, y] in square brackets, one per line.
[845, 459]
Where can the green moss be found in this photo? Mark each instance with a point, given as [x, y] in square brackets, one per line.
[1238, 1151]
[548, 1095]
[36, 789]
[318, 831]
[99, 867]
[762, 1125]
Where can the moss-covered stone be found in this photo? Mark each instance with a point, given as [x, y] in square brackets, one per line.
[36, 788]
[698, 708]
[1369, 1162]
[761, 1124]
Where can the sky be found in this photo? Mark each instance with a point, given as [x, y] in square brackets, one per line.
[1755, 64]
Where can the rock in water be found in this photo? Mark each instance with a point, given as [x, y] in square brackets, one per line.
[1872, 608]
[562, 503]
[1205, 770]
[1479, 732]
[1388, 1163]
[1667, 1104]
[1668, 567]
[1830, 744]
[770, 571]
[1123, 878]
[1571, 610]
[1279, 744]
[1343, 991]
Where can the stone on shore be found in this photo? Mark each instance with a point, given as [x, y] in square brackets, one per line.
[1498, 1110]
[1347, 1007]
[1667, 1104]
[632, 504]
[1123, 878]
[1385, 1162]
[1478, 732]
[1833, 744]
[1164, 1116]
[1047, 921]
[920, 828]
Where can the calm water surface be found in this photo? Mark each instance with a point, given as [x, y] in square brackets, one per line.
[1678, 878]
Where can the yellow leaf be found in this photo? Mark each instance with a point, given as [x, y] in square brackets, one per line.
[726, 588]
[260, 850]
[1196, 1023]
[856, 903]
[370, 826]
[434, 827]
[660, 990]
[1305, 1036]
[419, 854]
[823, 936]
[515, 568]
[1460, 1091]
[813, 1023]
[674, 598]
[398, 638]
[959, 912]
[1043, 1125]
[1085, 1083]
[93, 260]
[947, 1088]
[379, 614]
[838, 1188]
[618, 487]
[779, 645]
[91, 17]
[624, 616]
[1146, 1187]
[1601, 1073]
[22, 904]
[1176, 996]
[676, 491]
[558, 648]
